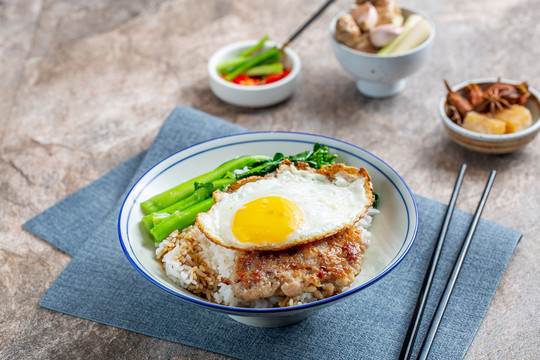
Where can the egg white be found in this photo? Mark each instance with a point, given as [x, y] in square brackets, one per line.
[328, 206]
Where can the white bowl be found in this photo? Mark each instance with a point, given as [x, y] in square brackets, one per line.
[381, 76]
[393, 229]
[253, 96]
[492, 144]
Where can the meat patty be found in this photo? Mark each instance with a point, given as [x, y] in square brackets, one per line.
[321, 268]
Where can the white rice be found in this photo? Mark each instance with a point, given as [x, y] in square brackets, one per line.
[198, 265]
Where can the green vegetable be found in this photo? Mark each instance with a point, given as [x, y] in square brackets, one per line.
[254, 61]
[180, 220]
[262, 70]
[376, 201]
[150, 220]
[202, 192]
[229, 65]
[272, 59]
[252, 49]
[194, 196]
[316, 158]
[252, 64]
[187, 188]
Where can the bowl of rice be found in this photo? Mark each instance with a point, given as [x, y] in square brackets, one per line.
[196, 270]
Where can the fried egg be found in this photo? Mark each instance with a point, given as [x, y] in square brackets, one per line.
[293, 206]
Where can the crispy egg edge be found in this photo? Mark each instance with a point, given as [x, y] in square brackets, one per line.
[330, 171]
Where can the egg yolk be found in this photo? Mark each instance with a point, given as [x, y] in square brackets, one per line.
[266, 220]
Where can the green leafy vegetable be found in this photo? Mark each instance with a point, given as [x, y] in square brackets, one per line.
[316, 158]
[376, 201]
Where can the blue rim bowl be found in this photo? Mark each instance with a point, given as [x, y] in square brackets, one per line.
[394, 228]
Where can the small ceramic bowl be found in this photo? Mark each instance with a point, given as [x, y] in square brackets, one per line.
[393, 229]
[381, 76]
[258, 95]
[492, 144]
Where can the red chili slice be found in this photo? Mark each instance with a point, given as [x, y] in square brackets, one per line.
[275, 77]
[243, 79]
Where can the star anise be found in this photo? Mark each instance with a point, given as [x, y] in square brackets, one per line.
[497, 97]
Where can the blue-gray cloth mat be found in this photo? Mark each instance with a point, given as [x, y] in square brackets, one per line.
[101, 285]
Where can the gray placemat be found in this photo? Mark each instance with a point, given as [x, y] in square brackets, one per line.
[100, 284]
[61, 224]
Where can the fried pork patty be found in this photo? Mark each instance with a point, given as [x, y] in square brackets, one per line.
[321, 268]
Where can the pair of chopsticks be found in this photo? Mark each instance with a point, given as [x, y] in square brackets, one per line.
[406, 350]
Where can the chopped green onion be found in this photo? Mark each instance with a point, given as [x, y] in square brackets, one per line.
[255, 60]
[228, 65]
[262, 70]
[251, 50]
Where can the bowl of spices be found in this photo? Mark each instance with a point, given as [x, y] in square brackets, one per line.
[493, 116]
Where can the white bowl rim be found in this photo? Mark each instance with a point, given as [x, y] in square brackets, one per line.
[247, 311]
[387, 56]
[212, 64]
[487, 137]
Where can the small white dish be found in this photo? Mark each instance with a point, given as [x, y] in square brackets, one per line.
[393, 230]
[492, 144]
[258, 95]
[381, 76]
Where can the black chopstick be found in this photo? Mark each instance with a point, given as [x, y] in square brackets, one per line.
[435, 322]
[307, 23]
[412, 331]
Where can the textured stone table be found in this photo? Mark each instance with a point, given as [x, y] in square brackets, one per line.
[87, 84]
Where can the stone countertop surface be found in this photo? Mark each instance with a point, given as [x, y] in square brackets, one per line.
[86, 85]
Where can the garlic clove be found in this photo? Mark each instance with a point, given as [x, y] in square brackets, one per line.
[387, 11]
[384, 34]
[365, 15]
[364, 44]
[347, 31]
